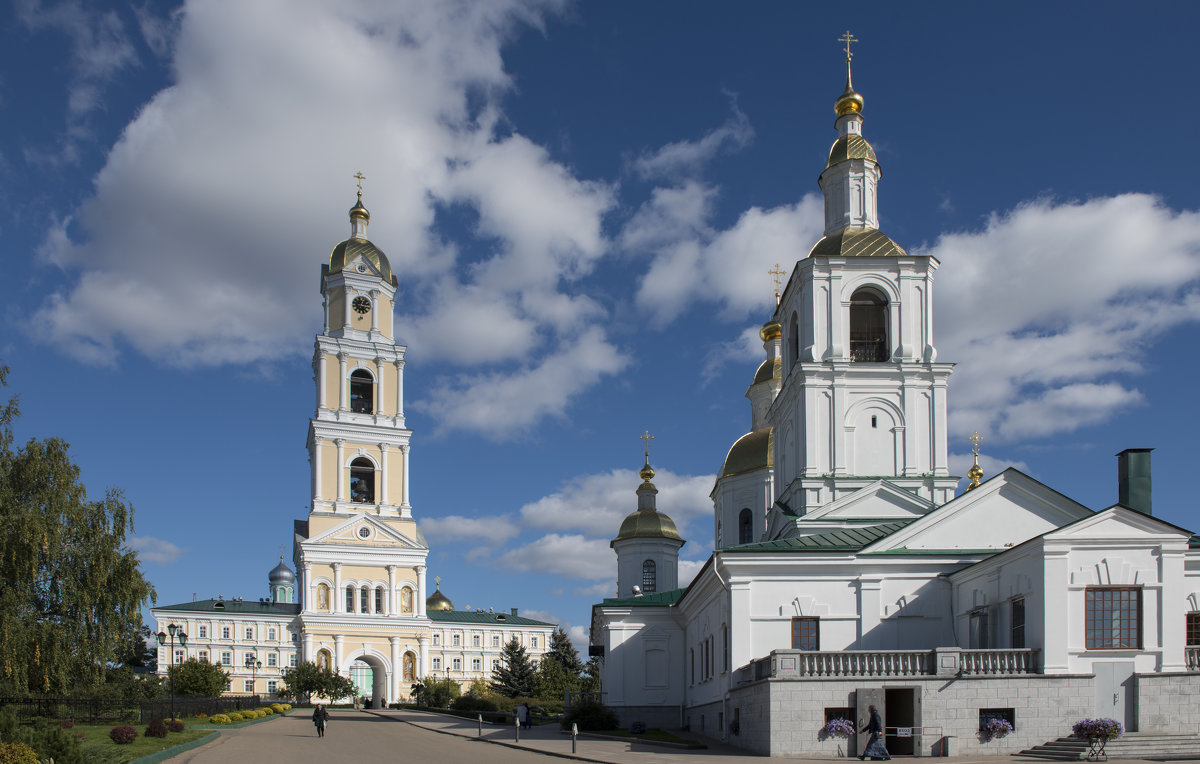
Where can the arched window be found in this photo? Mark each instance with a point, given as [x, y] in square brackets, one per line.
[362, 393]
[745, 527]
[379, 599]
[362, 481]
[363, 599]
[349, 599]
[869, 327]
[649, 577]
[793, 340]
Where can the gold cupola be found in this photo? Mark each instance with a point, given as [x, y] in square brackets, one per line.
[437, 600]
[358, 245]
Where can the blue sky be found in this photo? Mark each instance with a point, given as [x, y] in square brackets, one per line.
[581, 203]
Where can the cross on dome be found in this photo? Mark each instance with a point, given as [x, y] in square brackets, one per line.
[848, 38]
[360, 178]
[777, 275]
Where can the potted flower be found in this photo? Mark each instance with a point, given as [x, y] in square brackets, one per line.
[1097, 732]
[838, 729]
[995, 727]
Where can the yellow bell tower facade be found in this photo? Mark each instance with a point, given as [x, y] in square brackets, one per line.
[360, 557]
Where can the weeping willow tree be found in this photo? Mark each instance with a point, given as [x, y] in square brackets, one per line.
[71, 589]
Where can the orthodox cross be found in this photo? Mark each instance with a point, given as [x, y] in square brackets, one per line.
[848, 38]
[975, 443]
[646, 437]
[281, 551]
[360, 178]
[777, 274]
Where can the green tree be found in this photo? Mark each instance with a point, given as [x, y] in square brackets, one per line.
[514, 676]
[307, 679]
[564, 653]
[196, 677]
[437, 693]
[591, 676]
[552, 682]
[72, 589]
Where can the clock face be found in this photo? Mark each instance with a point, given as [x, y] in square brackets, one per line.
[361, 304]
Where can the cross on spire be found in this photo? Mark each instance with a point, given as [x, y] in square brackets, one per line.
[848, 38]
[777, 274]
[975, 443]
[646, 437]
[360, 178]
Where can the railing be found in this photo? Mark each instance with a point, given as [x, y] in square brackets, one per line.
[953, 661]
[1192, 658]
[868, 351]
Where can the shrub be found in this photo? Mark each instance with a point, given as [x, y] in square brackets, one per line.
[220, 719]
[1104, 729]
[286, 706]
[473, 703]
[200, 716]
[175, 725]
[278, 708]
[234, 716]
[842, 728]
[123, 735]
[156, 728]
[591, 717]
[17, 753]
[66, 724]
[266, 711]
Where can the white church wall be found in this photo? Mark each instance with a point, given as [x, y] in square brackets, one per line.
[643, 663]
[708, 641]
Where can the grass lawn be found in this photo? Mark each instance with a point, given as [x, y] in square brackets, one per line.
[96, 739]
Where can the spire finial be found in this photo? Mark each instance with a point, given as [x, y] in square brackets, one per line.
[360, 178]
[437, 583]
[976, 472]
[850, 101]
[777, 275]
[359, 217]
[647, 471]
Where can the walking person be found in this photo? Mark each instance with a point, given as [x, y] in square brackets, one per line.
[875, 748]
[320, 719]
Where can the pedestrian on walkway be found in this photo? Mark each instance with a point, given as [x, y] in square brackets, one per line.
[875, 748]
[320, 719]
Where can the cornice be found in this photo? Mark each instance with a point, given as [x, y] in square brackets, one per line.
[365, 433]
[362, 348]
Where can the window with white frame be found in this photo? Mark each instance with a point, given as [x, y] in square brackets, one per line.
[292, 660]
[225, 632]
[476, 664]
[229, 685]
[437, 664]
[475, 640]
[271, 634]
[458, 664]
[495, 640]
[179, 656]
[272, 660]
[202, 655]
[249, 686]
[1113, 618]
[249, 632]
[455, 640]
[226, 658]
[202, 632]
[272, 687]
[495, 663]
[437, 639]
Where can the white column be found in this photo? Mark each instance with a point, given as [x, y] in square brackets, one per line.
[383, 474]
[343, 382]
[316, 468]
[347, 322]
[306, 647]
[377, 402]
[399, 388]
[341, 470]
[404, 498]
[321, 362]
[420, 603]
[391, 595]
[310, 594]
[335, 597]
[375, 310]
[397, 671]
[337, 655]
[423, 655]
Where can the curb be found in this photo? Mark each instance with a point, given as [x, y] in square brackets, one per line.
[167, 753]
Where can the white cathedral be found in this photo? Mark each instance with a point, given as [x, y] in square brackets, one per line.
[845, 572]
[360, 602]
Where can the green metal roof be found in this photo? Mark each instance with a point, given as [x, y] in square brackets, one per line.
[494, 619]
[657, 599]
[1195, 542]
[844, 540]
[236, 606]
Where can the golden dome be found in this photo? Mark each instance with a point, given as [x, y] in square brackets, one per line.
[647, 524]
[857, 242]
[438, 601]
[751, 452]
[770, 369]
[849, 103]
[359, 211]
[351, 248]
[770, 331]
[850, 147]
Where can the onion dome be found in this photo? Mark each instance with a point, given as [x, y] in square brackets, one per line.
[850, 102]
[359, 246]
[857, 242]
[437, 600]
[752, 452]
[772, 330]
[281, 574]
[647, 522]
[848, 147]
[770, 369]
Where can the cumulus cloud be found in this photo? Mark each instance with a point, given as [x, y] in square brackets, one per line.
[688, 570]
[1048, 310]
[683, 158]
[570, 555]
[449, 528]
[151, 549]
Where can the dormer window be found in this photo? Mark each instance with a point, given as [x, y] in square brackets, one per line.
[362, 481]
[362, 392]
[868, 327]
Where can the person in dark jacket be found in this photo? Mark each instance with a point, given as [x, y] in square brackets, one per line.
[875, 748]
[320, 719]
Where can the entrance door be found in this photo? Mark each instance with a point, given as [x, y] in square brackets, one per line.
[363, 677]
[1114, 689]
[900, 710]
[864, 698]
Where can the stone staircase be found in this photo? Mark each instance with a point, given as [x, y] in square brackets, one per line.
[1133, 745]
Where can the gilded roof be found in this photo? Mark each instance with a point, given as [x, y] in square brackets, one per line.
[770, 369]
[647, 524]
[850, 146]
[438, 601]
[857, 242]
[753, 451]
[351, 248]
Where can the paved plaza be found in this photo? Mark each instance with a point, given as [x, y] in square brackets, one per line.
[392, 735]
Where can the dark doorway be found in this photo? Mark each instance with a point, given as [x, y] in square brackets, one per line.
[900, 715]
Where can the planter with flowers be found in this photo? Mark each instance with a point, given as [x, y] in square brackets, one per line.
[839, 730]
[1097, 732]
[996, 727]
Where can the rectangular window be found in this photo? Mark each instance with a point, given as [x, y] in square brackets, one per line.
[250, 686]
[202, 655]
[839, 712]
[224, 632]
[475, 640]
[272, 687]
[1193, 629]
[437, 664]
[495, 663]
[495, 640]
[458, 664]
[226, 658]
[249, 632]
[1018, 622]
[179, 656]
[533, 642]
[437, 639]
[456, 640]
[979, 631]
[476, 664]
[203, 632]
[229, 686]
[271, 635]
[379, 601]
[1005, 714]
[1113, 618]
[292, 660]
[272, 661]
[806, 633]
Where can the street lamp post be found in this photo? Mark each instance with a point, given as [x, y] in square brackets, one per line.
[172, 631]
[254, 664]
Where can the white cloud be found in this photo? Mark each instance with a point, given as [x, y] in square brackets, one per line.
[688, 570]
[689, 157]
[151, 549]
[747, 348]
[570, 555]
[1050, 307]
[600, 590]
[458, 528]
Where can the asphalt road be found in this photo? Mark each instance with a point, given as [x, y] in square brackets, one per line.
[351, 737]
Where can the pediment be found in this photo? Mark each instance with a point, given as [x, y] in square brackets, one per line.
[366, 531]
[359, 260]
[1007, 510]
[1118, 522]
[879, 500]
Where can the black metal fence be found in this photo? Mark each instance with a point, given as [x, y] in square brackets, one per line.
[97, 710]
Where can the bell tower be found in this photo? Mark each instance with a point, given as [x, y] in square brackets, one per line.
[863, 397]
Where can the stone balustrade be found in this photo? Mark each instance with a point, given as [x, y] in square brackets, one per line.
[941, 661]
